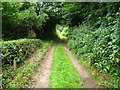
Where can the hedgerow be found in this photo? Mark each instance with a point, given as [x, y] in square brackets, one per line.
[100, 47]
[18, 50]
[22, 76]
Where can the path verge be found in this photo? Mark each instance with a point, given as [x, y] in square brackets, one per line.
[88, 81]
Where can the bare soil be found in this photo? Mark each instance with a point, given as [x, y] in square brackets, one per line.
[42, 77]
[88, 81]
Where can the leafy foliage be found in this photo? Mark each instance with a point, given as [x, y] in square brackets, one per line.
[62, 31]
[94, 31]
[97, 39]
[23, 20]
[100, 47]
[21, 77]
[18, 50]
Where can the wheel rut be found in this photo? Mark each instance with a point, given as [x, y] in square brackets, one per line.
[45, 69]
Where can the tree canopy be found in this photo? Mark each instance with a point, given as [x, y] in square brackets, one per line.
[38, 20]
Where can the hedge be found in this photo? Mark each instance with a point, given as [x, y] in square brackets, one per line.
[18, 50]
[22, 77]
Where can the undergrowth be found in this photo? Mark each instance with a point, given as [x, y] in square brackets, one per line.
[100, 48]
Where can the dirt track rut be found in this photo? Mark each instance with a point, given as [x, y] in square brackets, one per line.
[45, 68]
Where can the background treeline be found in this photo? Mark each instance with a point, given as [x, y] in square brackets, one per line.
[38, 20]
[28, 20]
[19, 20]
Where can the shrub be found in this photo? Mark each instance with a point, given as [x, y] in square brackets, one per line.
[22, 76]
[18, 50]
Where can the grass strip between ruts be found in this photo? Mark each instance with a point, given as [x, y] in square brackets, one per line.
[63, 74]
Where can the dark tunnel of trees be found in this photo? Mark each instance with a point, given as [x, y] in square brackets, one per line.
[38, 20]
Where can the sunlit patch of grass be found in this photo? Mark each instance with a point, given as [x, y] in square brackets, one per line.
[63, 74]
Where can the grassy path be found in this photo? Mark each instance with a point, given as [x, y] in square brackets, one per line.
[60, 69]
[63, 74]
